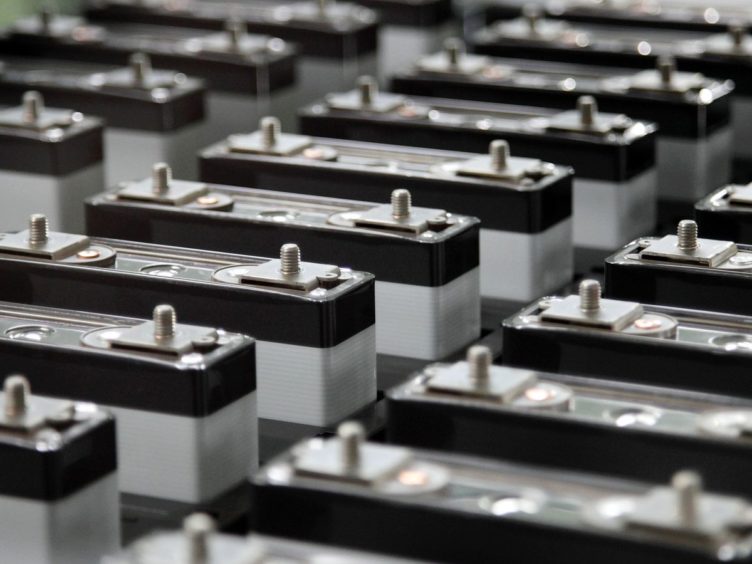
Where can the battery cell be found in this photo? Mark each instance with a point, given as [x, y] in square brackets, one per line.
[726, 213]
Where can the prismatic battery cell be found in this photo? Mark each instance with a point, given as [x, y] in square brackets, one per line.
[693, 113]
[450, 508]
[726, 213]
[149, 114]
[335, 42]
[583, 424]
[313, 323]
[246, 75]
[610, 339]
[50, 160]
[425, 260]
[524, 204]
[612, 154]
[58, 477]
[685, 270]
[726, 55]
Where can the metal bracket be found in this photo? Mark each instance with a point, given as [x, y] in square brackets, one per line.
[383, 102]
[517, 168]
[504, 383]
[545, 30]
[124, 78]
[221, 43]
[603, 124]
[381, 217]
[740, 195]
[708, 252]
[39, 413]
[311, 275]
[466, 65]
[285, 145]
[681, 82]
[49, 118]
[614, 315]
[186, 338]
[377, 463]
[57, 246]
[180, 192]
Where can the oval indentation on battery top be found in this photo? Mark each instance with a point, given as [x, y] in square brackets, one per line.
[528, 502]
[634, 416]
[279, 216]
[732, 342]
[163, 270]
[30, 333]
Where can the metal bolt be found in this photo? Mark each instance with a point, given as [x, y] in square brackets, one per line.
[16, 390]
[236, 30]
[32, 106]
[401, 203]
[590, 295]
[368, 88]
[161, 177]
[499, 150]
[270, 129]
[197, 529]
[45, 18]
[453, 48]
[351, 436]
[140, 65]
[688, 488]
[164, 322]
[479, 362]
[666, 69]
[588, 109]
[39, 228]
[289, 258]
[738, 35]
[686, 235]
[532, 15]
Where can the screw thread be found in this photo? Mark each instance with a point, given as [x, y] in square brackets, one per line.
[140, 65]
[368, 89]
[289, 257]
[453, 48]
[401, 203]
[32, 106]
[16, 390]
[499, 151]
[39, 228]
[351, 436]
[236, 29]
[590, 295]
[688, 487]
[479, 363]
[588, 109]
[270, 129]
[197, 529]
[532, 15]
[666, 69]
[686, 235]
[164, 322]
[45, 17]
[738, 34]
[161, 177]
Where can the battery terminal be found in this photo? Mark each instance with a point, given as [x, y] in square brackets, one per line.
[234, 39]
[665, 78]
[687, 247]
[587, 119]
[499, 165]
[454, 60]
[138, 74]
[33, 115]
[366, 98]
[533, 26]
[23, 414]
[269, 140]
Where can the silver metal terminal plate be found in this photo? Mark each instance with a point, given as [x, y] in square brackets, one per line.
[311, 275]
[377, 463]
[39, 413]
[466, 65]
[383, 102]
[723, 44]
[381, 217]
[222, 43]
[187, 338]
[612, 314]
[731, 424]
[286, 144]
[59, 26]
[517, 168]
[49, 118]
[603, 124]
[709, 252]
[504, 383]
[179, 192]
[716, 517]
[740, 195]
[124, 78]
[57, 246]
[544, 30]
[681, 82]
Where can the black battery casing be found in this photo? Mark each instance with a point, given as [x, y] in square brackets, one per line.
[592, 156]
